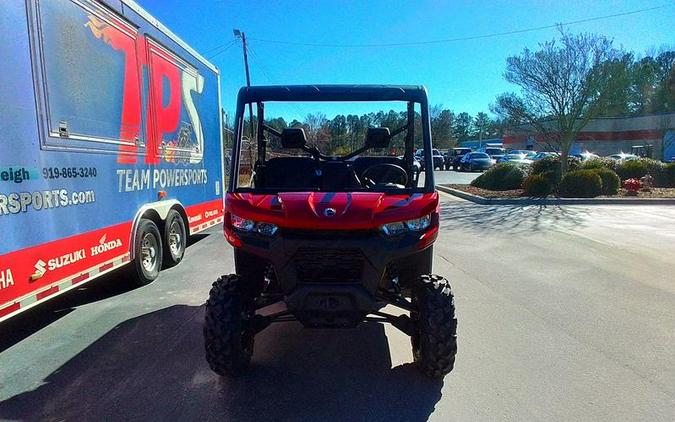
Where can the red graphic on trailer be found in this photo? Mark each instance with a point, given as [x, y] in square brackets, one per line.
[173, 129]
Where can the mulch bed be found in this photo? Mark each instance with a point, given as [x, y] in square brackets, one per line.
[518, 193]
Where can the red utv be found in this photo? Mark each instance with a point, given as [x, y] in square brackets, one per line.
[334, 234]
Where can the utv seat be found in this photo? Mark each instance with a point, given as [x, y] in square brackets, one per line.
[338, 176]
[289, 173]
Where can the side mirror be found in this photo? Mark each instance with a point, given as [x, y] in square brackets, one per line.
[377, 137]
[293, 137]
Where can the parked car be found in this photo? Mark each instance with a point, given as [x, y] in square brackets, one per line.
[454, 156]
[621, 157]
[585, 156]
[439, 161]
[544, 154]
[515, 158]
[476, 161]
[494, 152]
[417, 165]
[520, 151]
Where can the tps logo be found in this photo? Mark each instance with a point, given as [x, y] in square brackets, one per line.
[174, 128]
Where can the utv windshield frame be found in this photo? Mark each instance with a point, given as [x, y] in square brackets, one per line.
[333, 93]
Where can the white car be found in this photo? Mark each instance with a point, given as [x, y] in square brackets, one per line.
[621, 157]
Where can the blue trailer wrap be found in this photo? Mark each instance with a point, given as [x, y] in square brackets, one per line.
[106, 118]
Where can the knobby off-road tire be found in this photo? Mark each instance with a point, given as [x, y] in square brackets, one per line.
[228, 338]
[434, 342]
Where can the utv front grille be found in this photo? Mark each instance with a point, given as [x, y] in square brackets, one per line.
[332, 235]
[315, 265]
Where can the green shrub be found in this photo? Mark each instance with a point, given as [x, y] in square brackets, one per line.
[668, 176]
[635, 169]
[502, 176]
[580, 184]
[654, 167]
[657, 170]
[545, 164]
[610, 180]
[548, 167]
[537, 186]
[573, 163]
[601, 162]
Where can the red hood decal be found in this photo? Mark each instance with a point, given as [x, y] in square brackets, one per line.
[346, 210]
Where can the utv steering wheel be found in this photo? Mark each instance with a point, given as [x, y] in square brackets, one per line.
[384, 173]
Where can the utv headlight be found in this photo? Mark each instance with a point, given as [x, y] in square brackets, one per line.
[393, 229]
[418, 224]
[266, 229]
[242, 224]
[248, 226]
[398, 227]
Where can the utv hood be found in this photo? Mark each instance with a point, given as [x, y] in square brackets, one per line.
[331, 210]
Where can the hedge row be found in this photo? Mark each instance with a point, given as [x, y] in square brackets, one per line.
[591, 178]
[663, 174]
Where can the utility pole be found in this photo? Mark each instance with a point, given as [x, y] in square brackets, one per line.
[242, 36]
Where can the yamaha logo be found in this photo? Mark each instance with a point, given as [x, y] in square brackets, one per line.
[329, 212]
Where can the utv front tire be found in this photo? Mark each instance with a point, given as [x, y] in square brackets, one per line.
[228, 336]
[434, 341]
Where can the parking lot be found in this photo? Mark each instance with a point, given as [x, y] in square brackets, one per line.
[565, 313]
[455, 177]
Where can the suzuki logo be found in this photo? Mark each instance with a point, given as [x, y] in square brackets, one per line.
[40, 267]
[40, 270]
[329, 212]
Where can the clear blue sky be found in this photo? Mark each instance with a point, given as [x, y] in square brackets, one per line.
[461, 75]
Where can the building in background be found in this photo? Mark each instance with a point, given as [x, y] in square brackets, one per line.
[652, 136]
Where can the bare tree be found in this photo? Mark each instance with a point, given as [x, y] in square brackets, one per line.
[316, 122]
[481, 125]
[562, 87]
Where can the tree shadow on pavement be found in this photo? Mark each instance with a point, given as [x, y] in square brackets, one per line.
[152, 368]
[483, 219]
[108, 285]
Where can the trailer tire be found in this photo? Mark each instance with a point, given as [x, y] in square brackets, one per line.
[148, 247]
[434, 342]
[228, 341]
[175, 239]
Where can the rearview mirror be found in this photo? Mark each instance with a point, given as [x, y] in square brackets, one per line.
[377, 137]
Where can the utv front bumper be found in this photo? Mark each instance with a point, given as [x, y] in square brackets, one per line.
[332, 278]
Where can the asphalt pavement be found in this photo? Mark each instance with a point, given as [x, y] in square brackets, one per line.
[565, 313]
[451, 176]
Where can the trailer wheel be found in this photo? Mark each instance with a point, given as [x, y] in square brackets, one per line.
[228, 335]
[175, 239]
[148, 260]
[434, 342]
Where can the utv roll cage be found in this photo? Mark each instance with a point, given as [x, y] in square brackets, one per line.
[294, 137]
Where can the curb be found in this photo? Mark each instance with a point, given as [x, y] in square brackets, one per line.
[555, 201]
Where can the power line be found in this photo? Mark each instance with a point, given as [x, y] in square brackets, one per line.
[270, 78]
[211, 50]
[469, 38]
[223, 48]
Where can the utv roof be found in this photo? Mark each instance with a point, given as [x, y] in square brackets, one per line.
[333, 93]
